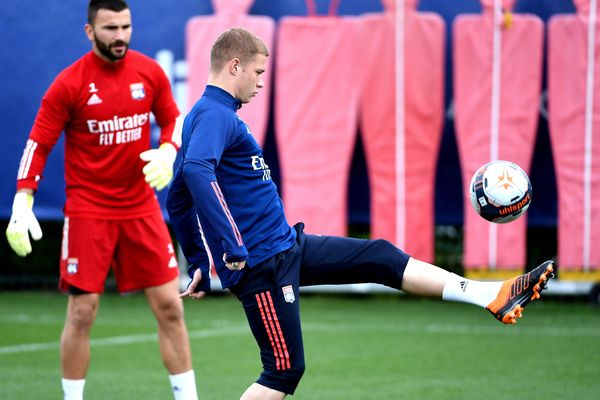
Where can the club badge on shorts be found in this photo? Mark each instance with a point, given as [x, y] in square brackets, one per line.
[137, 91]
[288, 294]
[72, 264]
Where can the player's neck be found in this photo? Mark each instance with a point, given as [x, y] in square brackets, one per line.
[215, 80]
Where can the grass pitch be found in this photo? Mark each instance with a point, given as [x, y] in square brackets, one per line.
[361, 347]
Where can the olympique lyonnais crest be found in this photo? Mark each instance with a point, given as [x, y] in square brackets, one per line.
[137, 91]
[288, 294]
[72, 264]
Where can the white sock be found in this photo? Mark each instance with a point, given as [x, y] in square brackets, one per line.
[184, 386]
[73, 388]
[465, 290]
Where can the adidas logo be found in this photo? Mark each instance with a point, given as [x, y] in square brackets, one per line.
[463, 285]
[172, 262]
[95, 99]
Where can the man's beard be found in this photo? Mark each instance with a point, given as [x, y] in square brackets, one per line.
[105, 49]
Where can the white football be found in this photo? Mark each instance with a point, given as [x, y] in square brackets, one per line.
[500, 191]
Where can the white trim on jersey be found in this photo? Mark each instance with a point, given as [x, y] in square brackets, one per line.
[211, 261]
[65, 240]
[219, 194]
[26, 159]
[177, 131]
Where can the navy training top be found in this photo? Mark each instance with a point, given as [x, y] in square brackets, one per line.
[222, 202]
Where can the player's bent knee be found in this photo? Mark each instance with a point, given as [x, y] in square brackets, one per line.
[285, 381]
[388, 253]
[388, 263]
[384, 245]
[295, 374]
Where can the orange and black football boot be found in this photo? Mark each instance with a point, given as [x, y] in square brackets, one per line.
[515, 293]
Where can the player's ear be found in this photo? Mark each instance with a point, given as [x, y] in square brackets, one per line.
[89, 32]
[234, 66]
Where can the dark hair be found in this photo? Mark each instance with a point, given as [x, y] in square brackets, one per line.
[112, 5]
[236, 43]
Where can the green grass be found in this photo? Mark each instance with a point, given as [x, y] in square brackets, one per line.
[361, 347]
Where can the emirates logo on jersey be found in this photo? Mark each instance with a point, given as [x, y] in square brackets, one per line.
[137, 91]
[117, 123]
[118, 130]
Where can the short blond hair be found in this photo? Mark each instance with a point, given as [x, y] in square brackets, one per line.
[235, 43]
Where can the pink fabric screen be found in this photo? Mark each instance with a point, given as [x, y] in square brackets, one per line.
[511, 136]
[423, 117]
[202, 31]
[575, 139]
[316, 97]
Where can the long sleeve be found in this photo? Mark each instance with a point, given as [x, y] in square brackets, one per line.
[50, 121]
[188, 231]
[206, 146]
[229, 187]
[166, 112]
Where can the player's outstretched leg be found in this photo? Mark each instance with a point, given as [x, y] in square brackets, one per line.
[517, 292]
[505, 300]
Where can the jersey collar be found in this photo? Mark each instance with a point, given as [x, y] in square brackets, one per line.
[223, 96]
[97, 60]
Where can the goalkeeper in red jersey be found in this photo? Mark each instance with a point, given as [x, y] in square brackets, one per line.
[103, 103]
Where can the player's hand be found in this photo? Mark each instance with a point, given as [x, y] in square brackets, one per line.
[22, 223]
[192, 286]
[159, 169]
[233, 265]
[236, 265]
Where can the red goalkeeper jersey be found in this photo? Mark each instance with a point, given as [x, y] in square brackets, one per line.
[104, 110]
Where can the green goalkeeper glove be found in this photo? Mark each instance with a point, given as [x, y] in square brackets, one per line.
[159, 169]
[22, 223]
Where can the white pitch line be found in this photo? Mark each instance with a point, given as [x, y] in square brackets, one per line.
[120, 340]
[463, 329]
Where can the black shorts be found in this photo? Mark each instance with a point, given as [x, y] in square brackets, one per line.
[269, 293]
